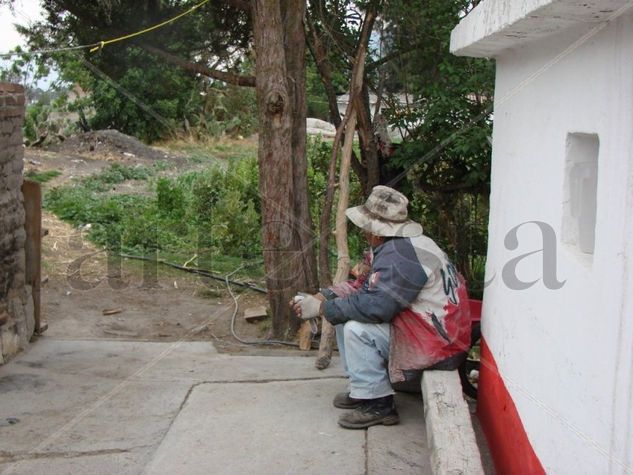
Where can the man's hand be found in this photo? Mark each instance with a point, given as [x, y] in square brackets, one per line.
[307, 306]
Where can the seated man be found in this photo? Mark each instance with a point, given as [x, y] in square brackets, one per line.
[409, 313]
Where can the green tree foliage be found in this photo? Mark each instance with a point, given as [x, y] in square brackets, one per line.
[35, 115]
[136, 91]
[315, 93]
[441, 103]
[445, 159]
[166, 98]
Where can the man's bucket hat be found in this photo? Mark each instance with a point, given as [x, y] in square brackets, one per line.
[384, 214]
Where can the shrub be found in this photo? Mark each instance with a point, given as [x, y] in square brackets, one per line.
[116, 174]
[170, 199]
[226, 205]
[213, 212]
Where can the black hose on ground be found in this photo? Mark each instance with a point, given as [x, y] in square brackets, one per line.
[195, 270]
[228, 283]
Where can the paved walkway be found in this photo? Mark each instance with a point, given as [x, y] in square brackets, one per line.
[84, 406]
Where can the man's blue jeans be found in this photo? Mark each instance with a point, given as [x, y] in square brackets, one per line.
[364, 351]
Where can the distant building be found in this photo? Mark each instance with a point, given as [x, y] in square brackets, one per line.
[556, 388]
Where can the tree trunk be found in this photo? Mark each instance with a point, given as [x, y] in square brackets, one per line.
[369, 149]
[320, 57]
[343, 263]
[276, 188]
[293, 12]
[287, 240]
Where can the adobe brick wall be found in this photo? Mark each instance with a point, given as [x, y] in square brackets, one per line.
[16, 307]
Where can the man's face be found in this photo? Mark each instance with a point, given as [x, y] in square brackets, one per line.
[372, 239]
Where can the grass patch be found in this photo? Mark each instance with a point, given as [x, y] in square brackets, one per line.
[199, 154]
[114, 175]
[235, 151]
[213, 214]
[43, 176]
[210, 293]
[162, 165]
[215, 152]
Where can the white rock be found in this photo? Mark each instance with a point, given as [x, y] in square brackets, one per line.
[318, 126]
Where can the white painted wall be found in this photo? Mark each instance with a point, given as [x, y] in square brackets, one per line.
[566, 355]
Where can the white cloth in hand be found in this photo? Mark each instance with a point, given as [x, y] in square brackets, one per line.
[310, 305]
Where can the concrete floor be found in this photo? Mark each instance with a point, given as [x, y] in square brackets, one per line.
[99, 406]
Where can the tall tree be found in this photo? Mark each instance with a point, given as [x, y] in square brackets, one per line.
[214, 41]
[358, 105]
[286, 239]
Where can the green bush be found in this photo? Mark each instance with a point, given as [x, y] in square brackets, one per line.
[170, 199]
[114, 175]
[35, 117]
[43, 176]
[226, 205]
[209, 213]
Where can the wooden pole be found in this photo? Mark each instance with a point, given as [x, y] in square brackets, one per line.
[349, 127]
[343, 265]
[32, 193]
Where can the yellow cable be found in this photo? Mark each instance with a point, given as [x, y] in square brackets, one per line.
[146, 30]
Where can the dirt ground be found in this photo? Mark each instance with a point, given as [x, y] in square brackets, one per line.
[110, 144]
[89, 153]
[87, 295]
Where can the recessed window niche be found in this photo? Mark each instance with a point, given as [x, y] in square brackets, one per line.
[580, 192]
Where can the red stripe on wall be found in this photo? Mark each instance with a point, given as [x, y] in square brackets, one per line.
[509, 445]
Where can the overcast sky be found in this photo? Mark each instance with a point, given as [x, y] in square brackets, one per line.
[24, 12]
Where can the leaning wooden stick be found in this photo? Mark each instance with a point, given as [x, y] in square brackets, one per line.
[349, 126]
[343, 266]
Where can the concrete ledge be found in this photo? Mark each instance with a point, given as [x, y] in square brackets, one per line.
[449, 430]
[496, 25]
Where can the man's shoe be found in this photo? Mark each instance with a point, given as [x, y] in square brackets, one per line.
[370, 413]
[343, 401]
